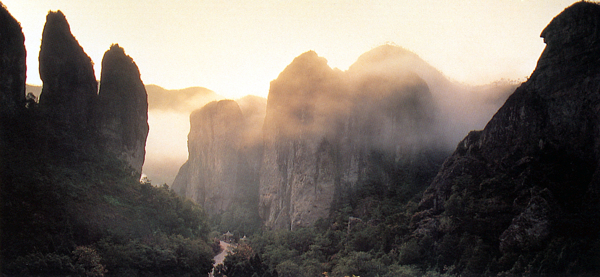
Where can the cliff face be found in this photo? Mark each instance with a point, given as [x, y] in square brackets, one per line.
[460, 108]
[216, 167]
[528, 183]
[122, 112]
[114, 120]
[296, 183]
[12, 65]
[70, 88]
[328, 132]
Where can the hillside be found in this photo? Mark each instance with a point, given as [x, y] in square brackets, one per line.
[72, 203]
[518, 198]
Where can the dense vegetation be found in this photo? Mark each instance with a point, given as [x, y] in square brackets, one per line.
[371, 232]
[70, 209]
[367, 234]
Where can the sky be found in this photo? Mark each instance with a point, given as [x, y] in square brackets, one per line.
[236, 47]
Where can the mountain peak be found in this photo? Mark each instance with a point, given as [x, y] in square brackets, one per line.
[384, 52]
[572, 47]
[12, 64]
[528, 182]
[307, 63]
[70, 86]
[578, 23]
[123, 108]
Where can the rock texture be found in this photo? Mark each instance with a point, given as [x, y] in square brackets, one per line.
[327, 132]
[216, 171]
[528, 183]
[114, 120]
[69, 93]
[460, 108]
[122, 112]
[12, 65]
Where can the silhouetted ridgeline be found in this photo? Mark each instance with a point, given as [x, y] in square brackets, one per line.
[221, 173]
[522, 194]
[116, 119]
[12, 66]
[122, 113]
[328, 134]
[518, 198]
[72, 203]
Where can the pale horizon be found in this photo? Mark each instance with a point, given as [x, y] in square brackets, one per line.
[237, 48]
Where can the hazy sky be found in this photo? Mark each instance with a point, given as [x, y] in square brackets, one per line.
[237, 47]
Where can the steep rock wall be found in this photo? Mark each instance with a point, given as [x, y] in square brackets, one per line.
[216, 164]
[529, 181]
[328, 132]
[12, 65]
[122, 114]
[69, 93]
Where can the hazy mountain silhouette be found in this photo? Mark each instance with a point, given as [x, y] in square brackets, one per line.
[184, 100]
[70, 165]
[12, 65]
[522, 194]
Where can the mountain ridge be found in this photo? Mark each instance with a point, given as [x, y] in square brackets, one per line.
[527, 184]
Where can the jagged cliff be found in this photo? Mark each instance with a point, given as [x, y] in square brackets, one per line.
[296, 184]
[522, 195]
[122, 113]
[70, 88]
[327, 132]
[460, 108]
[216, 169]
[12, 65]
[115, 120]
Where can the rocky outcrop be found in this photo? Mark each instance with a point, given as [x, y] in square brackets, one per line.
[296, 187]
[12, 65]
[69, 93]
[528, 183]
[122, 112]
[328, 132]
[216, 169]
[79, 117]
[253, 109]
[460, 108]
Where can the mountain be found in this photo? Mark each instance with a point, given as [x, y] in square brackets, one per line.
[70, 88]
[114, 118]
[168, 116]
[122, 113]
[522, 194]
[214, 145]
[221, 173]
[460, 107]
[187, 99]
[329, 134]
[162, 99]
[70, 203]
[12, 65]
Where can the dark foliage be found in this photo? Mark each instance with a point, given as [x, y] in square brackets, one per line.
[243, 262]
[368, 232]
[68, 208]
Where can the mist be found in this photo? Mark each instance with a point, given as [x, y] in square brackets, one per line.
[169, 121]
[428, 109]
[389, 99]
[459, 107]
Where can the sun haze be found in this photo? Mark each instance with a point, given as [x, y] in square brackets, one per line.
[237, 47]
